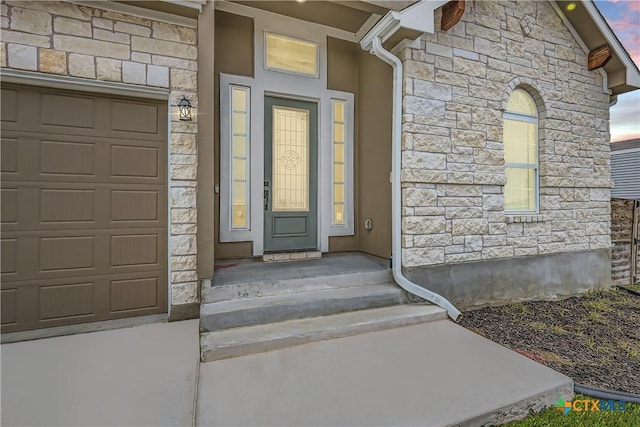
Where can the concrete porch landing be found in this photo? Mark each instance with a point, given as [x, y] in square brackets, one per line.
[431, 374]
[249, 279]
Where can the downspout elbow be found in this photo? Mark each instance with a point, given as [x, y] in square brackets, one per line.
[396, 212]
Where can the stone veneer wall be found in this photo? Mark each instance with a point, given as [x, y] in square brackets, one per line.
[66, 39]
[456, 86]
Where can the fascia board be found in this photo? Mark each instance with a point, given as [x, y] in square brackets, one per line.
[632, 72]
[417, 17]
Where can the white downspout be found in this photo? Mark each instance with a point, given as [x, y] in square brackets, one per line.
[396, 189]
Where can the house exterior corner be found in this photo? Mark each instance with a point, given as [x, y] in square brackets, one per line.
[293, 136]
[465, 233]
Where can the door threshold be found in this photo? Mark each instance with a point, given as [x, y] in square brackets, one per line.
[291, 256]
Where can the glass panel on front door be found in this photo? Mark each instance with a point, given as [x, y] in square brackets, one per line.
[290, 148]
[290, 175]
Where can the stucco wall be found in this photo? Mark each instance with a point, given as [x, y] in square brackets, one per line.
[375, 108]
[66, 39]
[351, 69]
[233, 55]
[456, 86]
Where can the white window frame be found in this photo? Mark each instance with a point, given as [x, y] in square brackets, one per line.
[228, 233]
[346, 229]
[231, 157]
[536, 167]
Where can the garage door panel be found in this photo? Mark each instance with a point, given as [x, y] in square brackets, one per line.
[57, 302]
[21, 206]
[9, 154]
[53, 206]
[130, 161]
[52, 111]
[137, 250]
[30, 156]
[133, 205]
[30, 256]
[8, 103]
[78, 111]
[22, 153]
[133, 294]
[63, 301]
[9, 256]
[62, 253]
[134, 117]
[84, 208]
[67, 158]
[148, 212]
[134, 249]
[113, 297]
[100, 132]
[79, 180]
[9, 299]
[66, 253]
[9, 208]
[61, 205]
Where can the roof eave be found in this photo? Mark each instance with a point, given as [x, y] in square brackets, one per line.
[631, 79]
[407, 24]
[191, 4]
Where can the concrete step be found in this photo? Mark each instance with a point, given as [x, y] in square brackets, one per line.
[262, 310]
[256, 279]
[229, 343]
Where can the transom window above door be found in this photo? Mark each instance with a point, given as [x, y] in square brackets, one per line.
[291, 55]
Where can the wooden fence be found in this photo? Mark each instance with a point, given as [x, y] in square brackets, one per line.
[625, 242]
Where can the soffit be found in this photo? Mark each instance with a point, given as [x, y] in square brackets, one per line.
[392, 4]
[175, 8]
[332, 14]
[184, 13]
[622, 72]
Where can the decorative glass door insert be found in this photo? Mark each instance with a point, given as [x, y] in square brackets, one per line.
[290, 163]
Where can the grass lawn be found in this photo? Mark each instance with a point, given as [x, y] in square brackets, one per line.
[552, 417]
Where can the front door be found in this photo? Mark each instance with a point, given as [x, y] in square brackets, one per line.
[290, 175]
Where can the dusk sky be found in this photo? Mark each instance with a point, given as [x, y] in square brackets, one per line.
[624, 18]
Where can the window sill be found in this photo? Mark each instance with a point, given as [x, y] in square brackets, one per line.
[524, 218]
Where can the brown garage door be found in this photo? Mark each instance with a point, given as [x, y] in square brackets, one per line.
[84, 207]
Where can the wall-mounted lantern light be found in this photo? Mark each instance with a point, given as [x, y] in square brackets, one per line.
[185, 109]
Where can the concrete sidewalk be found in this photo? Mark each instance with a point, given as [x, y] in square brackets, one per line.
[431, 374]
[139, 376]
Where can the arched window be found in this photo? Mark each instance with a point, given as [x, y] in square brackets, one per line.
[520, 137]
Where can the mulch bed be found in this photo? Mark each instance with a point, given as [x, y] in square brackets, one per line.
[594, 338]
